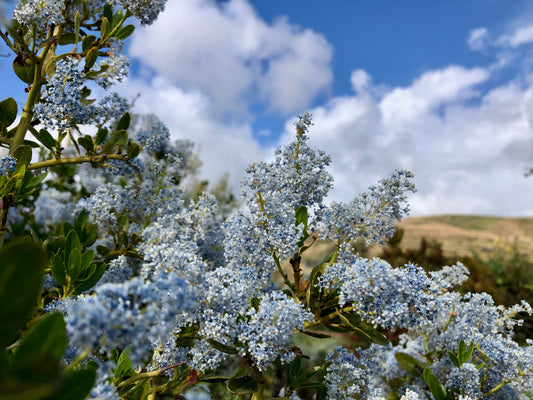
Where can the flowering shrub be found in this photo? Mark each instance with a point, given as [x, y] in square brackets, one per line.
[151, 293]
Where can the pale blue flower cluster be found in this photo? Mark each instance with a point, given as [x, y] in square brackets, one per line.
[437, 320]
[386, 296]
[60, 105]
[268, 330]
[7, 165]
[371, 215]
[153, 135]
[40, 13]
[346, 378]
[136, 312]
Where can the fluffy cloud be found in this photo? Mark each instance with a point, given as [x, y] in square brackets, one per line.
[226, 51]
[222, 147]
[467, 149]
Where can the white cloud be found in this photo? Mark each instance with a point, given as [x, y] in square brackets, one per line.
[468, 150]
[232, 56]
[223, 147]
[478, 39]
[519, 37]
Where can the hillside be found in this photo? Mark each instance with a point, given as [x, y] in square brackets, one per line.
[460, 234]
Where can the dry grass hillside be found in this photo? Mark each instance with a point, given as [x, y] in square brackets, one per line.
[460, 234]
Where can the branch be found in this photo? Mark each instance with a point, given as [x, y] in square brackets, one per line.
[95, 159]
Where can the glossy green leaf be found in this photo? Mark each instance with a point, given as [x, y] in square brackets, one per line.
[72, 242]
[58, 269]
[92, 279]
[74, 264]
[242, 385]
[90, 58]
[124, 365]
[21, 277]
[105, 28]
[302, 216]
[67, 38]
[87, 42]
[101, 136]
[409, 363]
[222, 347]
[45, 138]
[436, 389]
[87, 143]
[454, 359]
[76, 385]
[123, 123]
[124, 32]
[8, 113]
[23, 156]
[42, 348]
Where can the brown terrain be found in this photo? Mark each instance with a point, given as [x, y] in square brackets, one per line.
[462, 234]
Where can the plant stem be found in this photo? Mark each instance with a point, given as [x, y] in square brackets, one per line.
[148, 374]
[93, 159]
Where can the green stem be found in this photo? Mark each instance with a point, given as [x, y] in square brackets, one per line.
[261, 381]
[148, 374]
[93, 159]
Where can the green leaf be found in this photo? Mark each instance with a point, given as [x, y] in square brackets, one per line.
[108, 12]
[302, 216]
[101, 136]
[45, 138]
[124, 365]
[468, 352]
[76, 385]
[316, 334]
[8, 113]
[33, 145]
[13, 28]
[133, 150]
[311, 385]
[454, 359]
[58, 269]
[105, 28]
[23, 156]
[87, 42]
[72, 242]
[374, 335]
[436, 389]
[74, 264]
[295, 367]
[461, 349]
[92, 279]
[77, 24]
[67, 38]
[117, 18]
[117, 138]
[45, 341]
[82, 221]
[410, 364]
[123, 223]
[24, 68]
[21, 278]
[90, 58]
[87, 143]
[103, 250]
[124, 122]
[242, 385]
[222, 347]
[124, 32]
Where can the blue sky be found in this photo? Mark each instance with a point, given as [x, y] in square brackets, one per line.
[443, 88]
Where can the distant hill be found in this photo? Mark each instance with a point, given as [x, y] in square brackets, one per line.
[460, 234]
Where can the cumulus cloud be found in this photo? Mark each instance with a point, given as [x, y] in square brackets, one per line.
[467, 149]
[226, 51]
[223, 147]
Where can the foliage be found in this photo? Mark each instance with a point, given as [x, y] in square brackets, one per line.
[151, 290]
